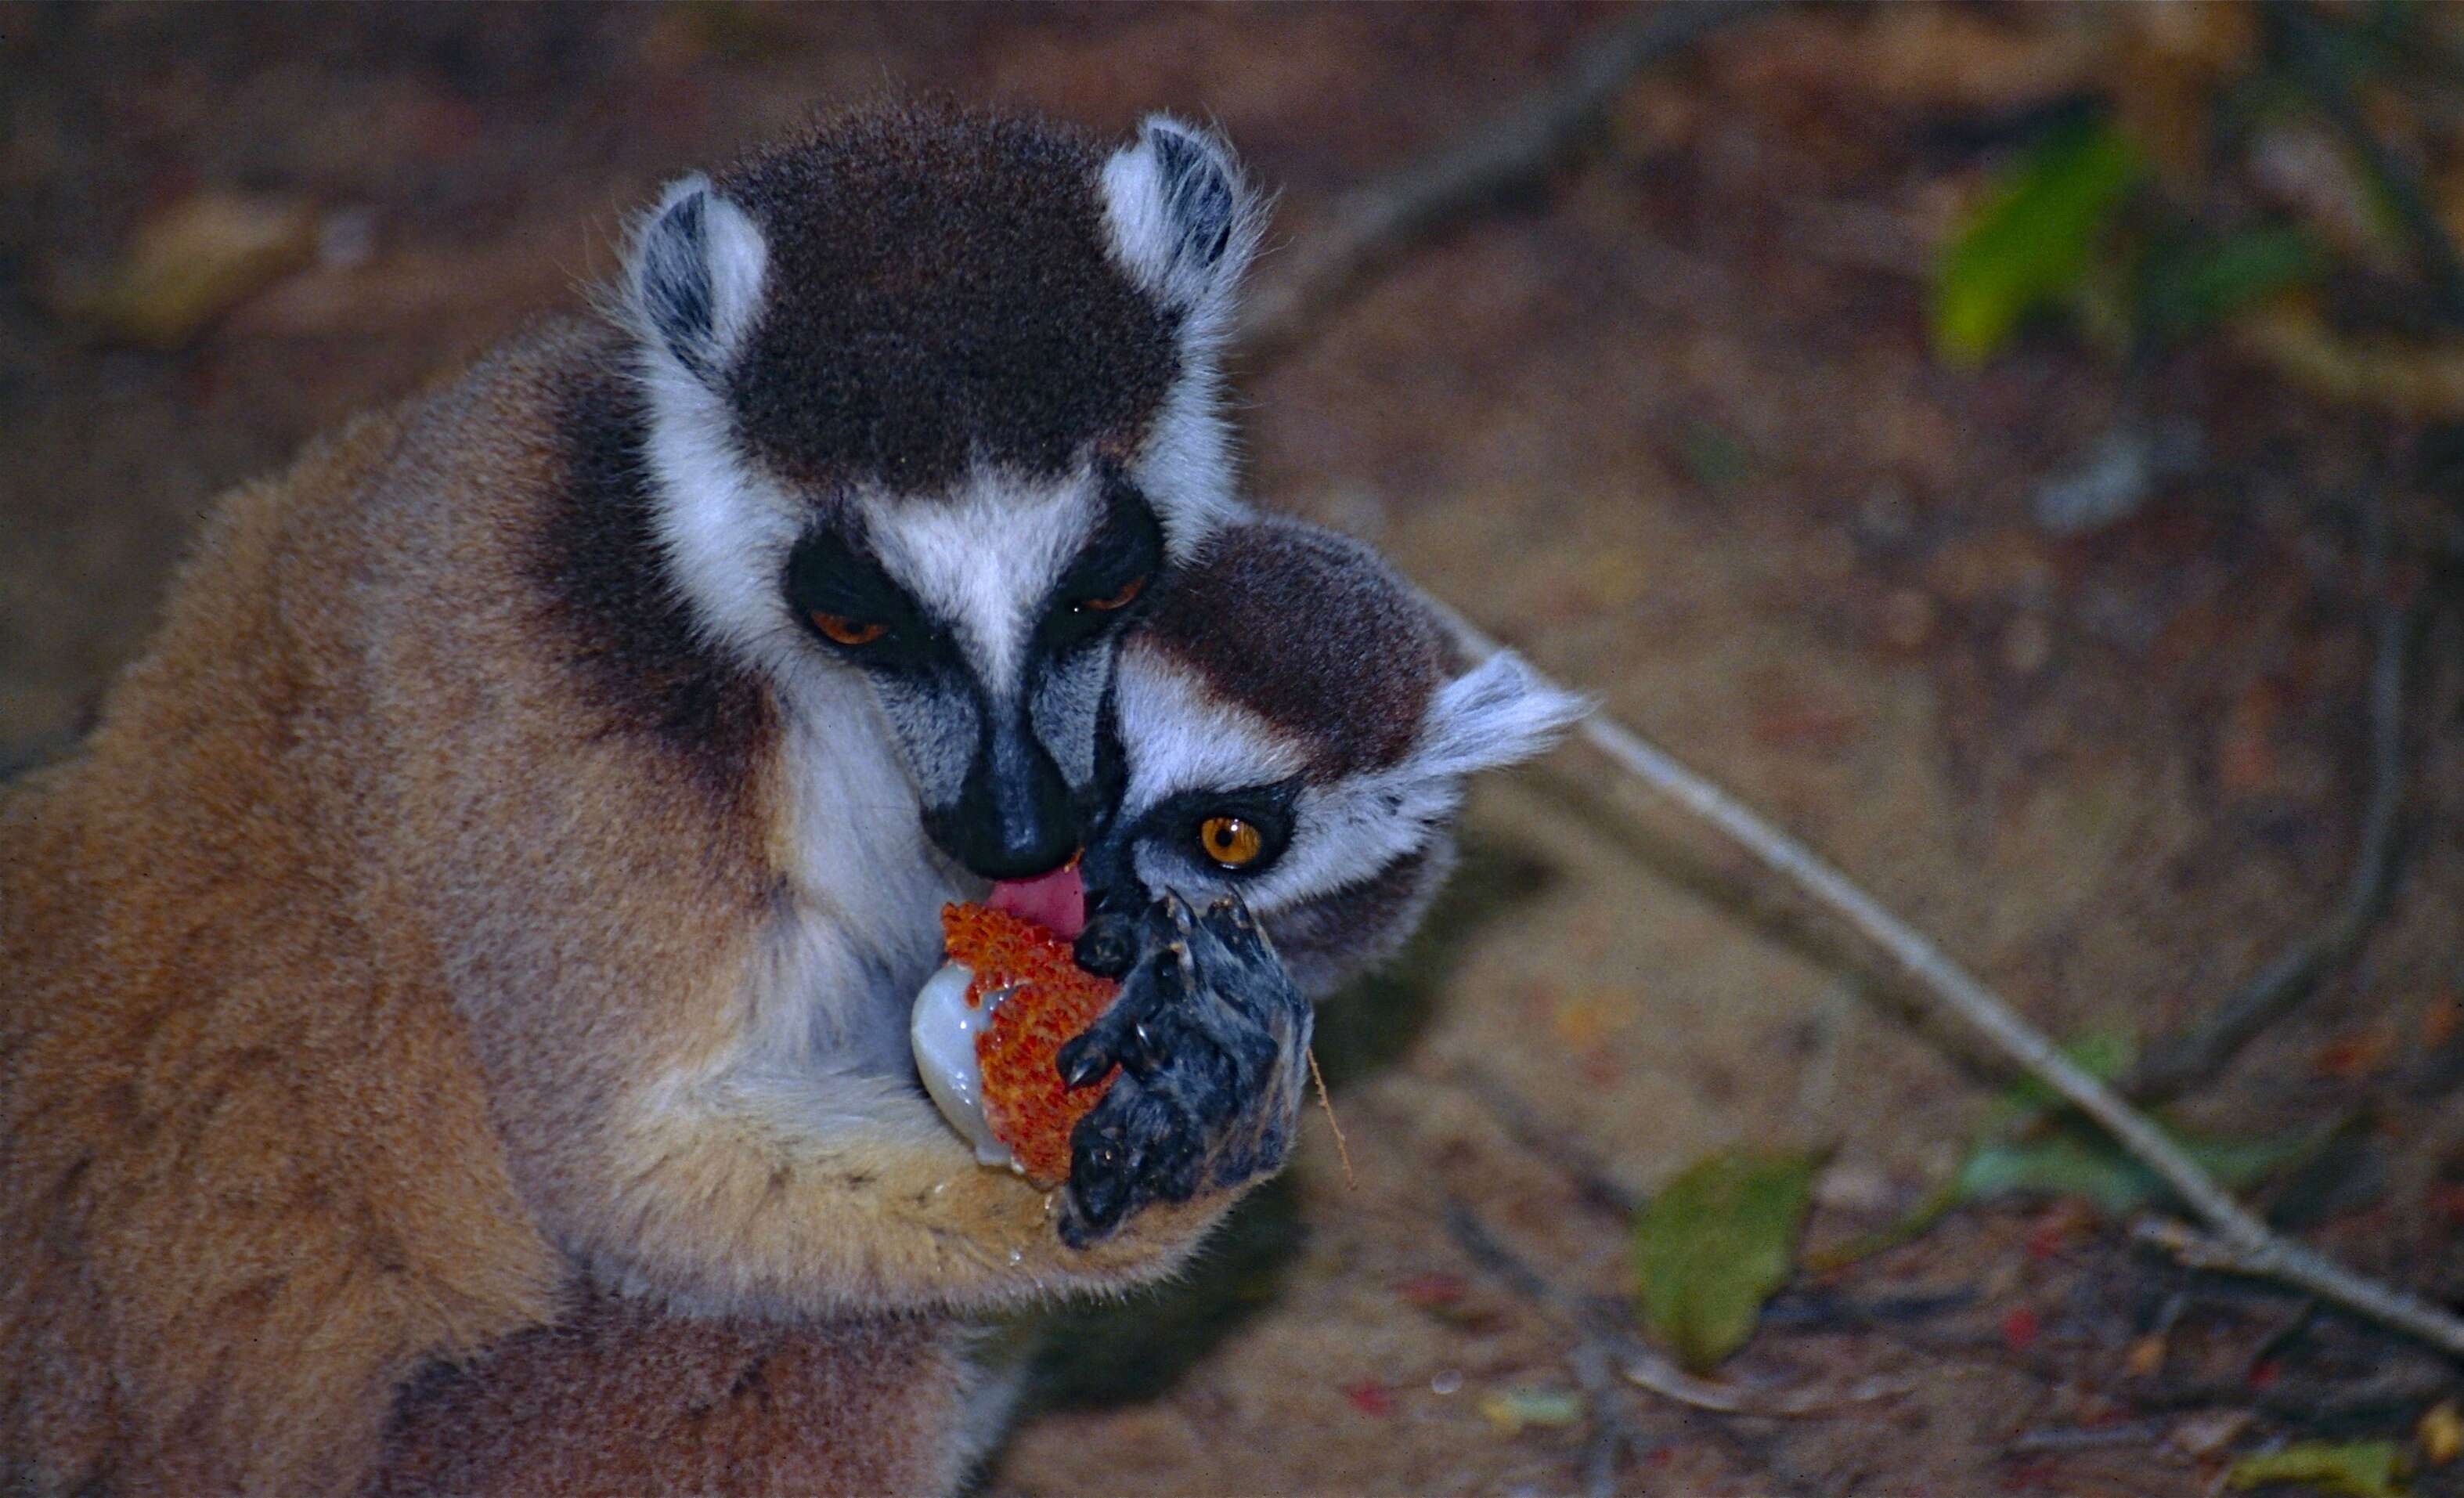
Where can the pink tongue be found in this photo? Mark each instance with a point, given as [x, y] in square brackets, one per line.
[1056, 901]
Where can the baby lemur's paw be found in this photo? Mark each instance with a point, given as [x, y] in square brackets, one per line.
[1212, 1040]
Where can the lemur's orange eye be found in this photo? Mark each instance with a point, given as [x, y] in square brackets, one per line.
[1230, 841]
[1120, 599]
[849, 632]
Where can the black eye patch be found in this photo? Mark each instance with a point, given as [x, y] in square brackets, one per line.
[1178, 823]
[1110, 574]
[828, 576]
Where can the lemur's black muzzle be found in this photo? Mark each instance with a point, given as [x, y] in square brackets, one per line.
[1013, 817]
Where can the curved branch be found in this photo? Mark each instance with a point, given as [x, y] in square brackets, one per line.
[1376, 220]
[2181, 1061]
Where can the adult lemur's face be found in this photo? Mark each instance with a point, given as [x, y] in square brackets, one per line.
[933, 408]
[990, 663]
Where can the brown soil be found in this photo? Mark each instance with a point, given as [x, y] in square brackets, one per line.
[1671, 428]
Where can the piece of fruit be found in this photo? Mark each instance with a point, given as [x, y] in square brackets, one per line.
[986, 1031]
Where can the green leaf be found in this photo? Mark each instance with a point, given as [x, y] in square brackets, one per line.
[2073, 1158]
[1715, 1243]
[2358, 1468]
[2032, 240]
[2187, 287]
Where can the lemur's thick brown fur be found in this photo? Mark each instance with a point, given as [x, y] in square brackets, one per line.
[340, 961]
[619, 1400]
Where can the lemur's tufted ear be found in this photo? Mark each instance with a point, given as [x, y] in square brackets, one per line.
[697, 281]
[1182, 220]
[1498, 713]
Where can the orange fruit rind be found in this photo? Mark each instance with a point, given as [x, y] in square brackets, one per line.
[987, 1030]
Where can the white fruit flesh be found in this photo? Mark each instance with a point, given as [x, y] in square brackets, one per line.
[942, 1033]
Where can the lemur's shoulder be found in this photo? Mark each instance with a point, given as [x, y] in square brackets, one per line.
[217, 1042]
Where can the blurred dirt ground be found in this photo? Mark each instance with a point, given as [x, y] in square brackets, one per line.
[1671, 427]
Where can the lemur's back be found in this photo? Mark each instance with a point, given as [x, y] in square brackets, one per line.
[239, 1107]
[195, 973]
[404, 737]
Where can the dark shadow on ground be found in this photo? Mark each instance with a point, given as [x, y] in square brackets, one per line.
[1375, 1020]
[1120, 1352]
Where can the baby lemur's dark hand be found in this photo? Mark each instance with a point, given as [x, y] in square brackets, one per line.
[1213, 1041]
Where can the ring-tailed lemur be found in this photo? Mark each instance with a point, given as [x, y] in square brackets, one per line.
[1294, 749]
[512, 858]
[1305, 764]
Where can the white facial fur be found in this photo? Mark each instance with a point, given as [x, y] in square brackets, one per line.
[1180, 735]
[990, 594]
[1148, 190]
[990, 597]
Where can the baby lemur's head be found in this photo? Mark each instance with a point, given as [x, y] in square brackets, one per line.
[1293, 730]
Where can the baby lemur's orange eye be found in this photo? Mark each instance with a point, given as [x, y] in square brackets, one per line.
[849, 632]
[1230, 841]
[1118, 598]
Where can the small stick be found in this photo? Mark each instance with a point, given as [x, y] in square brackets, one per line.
[2239, 1240]
[1378, 219]
[1589, 1176]
[1343, 1152]
[1611, 1438]
[2085, 1438]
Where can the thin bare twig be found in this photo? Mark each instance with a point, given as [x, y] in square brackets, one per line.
[2308, 1400]
[1375, 221]
[1579, 1165]
[1612, 1438]
[2054, 1439]
[2174, 1066]
[1342, 1150]
[2239, 1240]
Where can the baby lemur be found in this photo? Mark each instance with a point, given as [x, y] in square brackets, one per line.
[1304, 764]
[508, 865]
[1296, 748]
